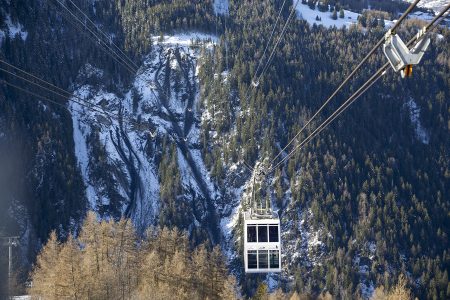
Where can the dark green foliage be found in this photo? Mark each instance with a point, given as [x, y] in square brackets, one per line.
[334, 15]
[175, 210]
[366, 179]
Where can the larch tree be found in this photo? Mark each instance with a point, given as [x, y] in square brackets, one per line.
[44, 273]
[68, 266]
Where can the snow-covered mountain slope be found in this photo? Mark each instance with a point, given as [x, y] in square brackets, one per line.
[315, 16]
[119, 158]
[435, 5]
[324, 18]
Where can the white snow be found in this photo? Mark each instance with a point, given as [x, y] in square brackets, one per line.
[187, 177]
[435, 5]
[197, 157]
[425, 16]
[350, 18]
[367, 290]
[372, 247]
[83, 121]
[153, 114]
[414, 114]
[303, 245]
[15, 29]
[185, 39]
[221, 7]
[224, 76]
[364, 269]
[309, 15]
[80, 131]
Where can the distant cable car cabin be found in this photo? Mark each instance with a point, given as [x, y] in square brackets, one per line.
[262, 247]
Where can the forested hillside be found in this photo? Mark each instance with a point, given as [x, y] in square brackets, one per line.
[362, 205]
[372, 188]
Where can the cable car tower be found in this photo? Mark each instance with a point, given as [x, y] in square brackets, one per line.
[262, 247]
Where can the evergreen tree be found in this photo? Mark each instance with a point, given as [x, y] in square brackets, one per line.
[334, 15]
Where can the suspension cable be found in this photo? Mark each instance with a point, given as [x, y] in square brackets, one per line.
[67, 96]
[382, 71]
[103, 45]
[266, 66]
[251, 88]
[333, 116]
[118, 58]
[269, 40]
[347, 79]
[105, 35]
[97, 41]
[279, 40]
[37, 95]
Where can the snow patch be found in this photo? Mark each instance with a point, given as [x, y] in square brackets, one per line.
[414, 115]
[350, 18]
[221, 7]
[367, 290]
[186, 39]
[372, 247]
[435, 5]
[13, 30]
[80, 131]
[145, 102]
[306, 13]
[302, 245]
[425, 16]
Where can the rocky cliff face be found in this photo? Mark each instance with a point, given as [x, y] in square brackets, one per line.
[120, 157]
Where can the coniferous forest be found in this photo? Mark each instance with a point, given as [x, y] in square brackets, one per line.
[364, 207]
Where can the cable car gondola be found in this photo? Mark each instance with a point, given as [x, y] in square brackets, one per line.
[262, 239]
[262, 247]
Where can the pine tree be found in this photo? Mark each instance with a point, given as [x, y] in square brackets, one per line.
[334, 15]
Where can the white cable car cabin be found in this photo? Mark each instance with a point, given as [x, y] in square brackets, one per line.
[262, 247]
